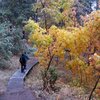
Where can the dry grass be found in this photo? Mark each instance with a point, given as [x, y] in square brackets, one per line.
[7, 73]
[66, 92]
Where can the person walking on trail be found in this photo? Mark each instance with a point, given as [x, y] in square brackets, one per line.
[23, 60]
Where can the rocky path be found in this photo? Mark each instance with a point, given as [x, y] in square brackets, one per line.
[16, 89]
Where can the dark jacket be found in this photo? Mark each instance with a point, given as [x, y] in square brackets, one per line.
[23, 59]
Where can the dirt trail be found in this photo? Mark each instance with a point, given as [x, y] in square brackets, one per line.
[16, 89]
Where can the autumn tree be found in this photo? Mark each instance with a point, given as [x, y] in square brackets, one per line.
[93, 30]
[57, 41]
[53, 12]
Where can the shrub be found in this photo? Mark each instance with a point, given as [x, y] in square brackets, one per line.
[10, 42]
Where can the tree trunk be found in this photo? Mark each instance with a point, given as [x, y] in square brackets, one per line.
[45, 78]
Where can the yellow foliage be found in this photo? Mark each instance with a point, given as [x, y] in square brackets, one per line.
[77, 40]
[33, 27]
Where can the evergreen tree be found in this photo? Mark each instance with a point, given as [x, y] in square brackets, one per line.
[16, 11]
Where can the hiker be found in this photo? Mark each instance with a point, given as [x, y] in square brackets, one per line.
[23, 60]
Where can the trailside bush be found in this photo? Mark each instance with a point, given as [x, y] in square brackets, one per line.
[13, 13]
[10, 42]
[49, 79]
[4, 64]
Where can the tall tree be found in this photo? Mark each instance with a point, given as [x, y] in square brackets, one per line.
[16, 11]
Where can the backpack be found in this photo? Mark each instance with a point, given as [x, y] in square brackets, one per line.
[22, 60]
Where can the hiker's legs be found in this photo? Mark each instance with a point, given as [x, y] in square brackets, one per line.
[22, 68]
[25, 66]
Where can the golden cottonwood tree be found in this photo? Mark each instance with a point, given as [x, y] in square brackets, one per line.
[57, 41]
[93, 30]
